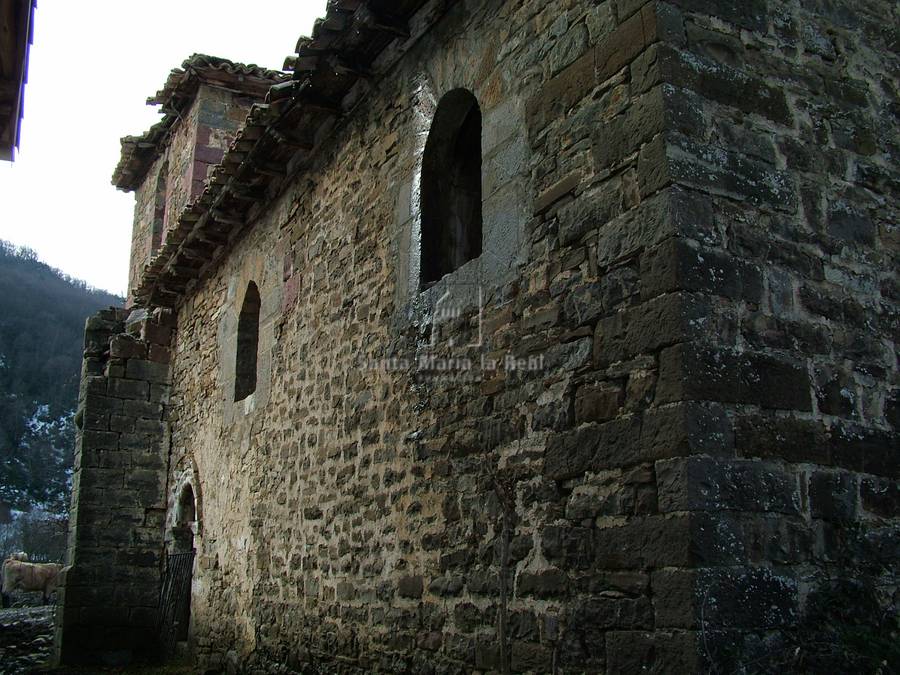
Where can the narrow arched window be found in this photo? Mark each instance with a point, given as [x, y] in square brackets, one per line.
[247, 344]
[451, 187]
[159, 210]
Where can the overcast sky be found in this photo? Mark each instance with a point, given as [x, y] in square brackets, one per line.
[93, 65]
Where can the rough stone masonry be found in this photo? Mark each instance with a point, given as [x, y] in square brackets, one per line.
[648, 425]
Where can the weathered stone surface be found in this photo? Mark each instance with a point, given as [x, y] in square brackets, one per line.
[686, 428]
[597, 403]
[788, 438]
[833, 495]
[721, 83]
[864, 449]
[658, 653]
[634, 35]
[560, 93]
[150, 371]
[748, 598]
[127, 347]
[128, 389]
[725, 598]
[410, 587]
[880, 496]
[655, 541]
[550, 583]
[677, 266]
[661, 110]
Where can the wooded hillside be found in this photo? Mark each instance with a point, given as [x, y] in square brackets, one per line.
[42, 315]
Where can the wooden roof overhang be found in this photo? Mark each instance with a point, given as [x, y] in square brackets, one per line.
[176, 96]
[16, 36]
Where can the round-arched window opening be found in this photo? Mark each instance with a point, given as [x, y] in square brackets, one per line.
[158, 227]
[451, 187]
[247, 344]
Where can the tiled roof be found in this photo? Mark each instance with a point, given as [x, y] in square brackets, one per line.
[334, 70]
[16, 29]
[139, 152]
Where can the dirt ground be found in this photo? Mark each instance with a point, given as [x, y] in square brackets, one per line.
[26, 644]
[26, 639]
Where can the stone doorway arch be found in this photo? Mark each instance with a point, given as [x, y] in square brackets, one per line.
[182, 540]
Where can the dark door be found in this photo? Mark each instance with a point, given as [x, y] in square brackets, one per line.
[175, 601]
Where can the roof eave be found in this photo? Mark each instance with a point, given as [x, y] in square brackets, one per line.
[23, 37]
[176, 96]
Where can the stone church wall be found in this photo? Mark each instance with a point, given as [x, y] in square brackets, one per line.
[652, 428]
[700, 266]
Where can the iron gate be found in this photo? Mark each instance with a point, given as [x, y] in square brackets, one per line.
[175, 601]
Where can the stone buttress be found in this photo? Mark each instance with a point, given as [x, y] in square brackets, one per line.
[109, 590]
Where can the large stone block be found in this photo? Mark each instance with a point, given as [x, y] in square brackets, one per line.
[613, 613]
[646, 328]
[750, 599]
[632, 37]
[684, 429]
[99, 440]
[549, 583]
[788, 438]
[570, 454]
[569, 547]
[127, 347]
[410, 587]
[598, 403]
[657, 653]
[676, 265]
[526, 657]
[142, 409]
[833, 495]
[139, 369]
[864, 449]
[880, 496]
[643, 543]
[128, 389]
[560, 94]
[672, 213]
[728, 172]
[716, 599]
[717, 82]
[660, 110]
[709, 484]
[696, 372]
